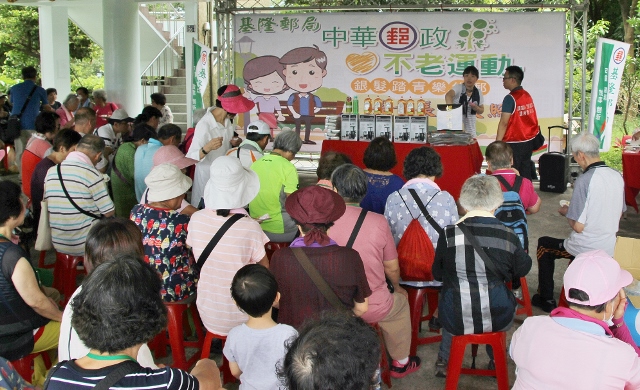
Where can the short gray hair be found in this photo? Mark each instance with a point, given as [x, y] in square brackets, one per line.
[351, 182]
[481, 192]
[71, 98]
[288, 141]
[197, 115]
[100, 94]
[586, 143]
[92, 144]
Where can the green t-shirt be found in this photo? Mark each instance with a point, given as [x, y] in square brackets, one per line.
[124, 194]
[278, 177]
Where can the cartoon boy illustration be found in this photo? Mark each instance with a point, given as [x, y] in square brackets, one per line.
[264, 76]
[304, 70]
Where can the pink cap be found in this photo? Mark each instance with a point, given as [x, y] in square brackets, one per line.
[172, 155]
[597, 274]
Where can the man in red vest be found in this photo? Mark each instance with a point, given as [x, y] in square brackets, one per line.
[518, 121]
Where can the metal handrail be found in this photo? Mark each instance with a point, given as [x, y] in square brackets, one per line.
[168, 44]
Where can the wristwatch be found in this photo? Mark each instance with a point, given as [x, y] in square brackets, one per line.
[203, 152]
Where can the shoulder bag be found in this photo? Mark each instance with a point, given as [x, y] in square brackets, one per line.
[73, 203]
[128, 367]
[318, 280]
[43, 239]
[14, 127]
[214, 241]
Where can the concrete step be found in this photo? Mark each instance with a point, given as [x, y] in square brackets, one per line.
[183, 126]
[179, 73]
[175, 98]
[179, 117]
[174, 89]
[175, 80]
[178, 108]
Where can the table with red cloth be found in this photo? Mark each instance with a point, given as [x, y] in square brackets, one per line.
[459, 162]
[631, 176]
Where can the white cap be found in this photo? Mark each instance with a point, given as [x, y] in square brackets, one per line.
[260, 127]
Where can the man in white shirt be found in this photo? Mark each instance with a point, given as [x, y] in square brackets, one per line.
[118, 124]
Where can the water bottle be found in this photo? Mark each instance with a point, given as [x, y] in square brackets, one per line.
[355, 105]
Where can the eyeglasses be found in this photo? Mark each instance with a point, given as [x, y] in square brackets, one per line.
[506, 78]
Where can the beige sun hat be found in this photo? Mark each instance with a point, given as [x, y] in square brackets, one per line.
[165, 182]
[230, 185]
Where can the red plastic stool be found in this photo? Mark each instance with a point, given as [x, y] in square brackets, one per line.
[41, 263]
[227, 376]
[562, 301]
[7, 148]
[24, 366]
[65, 273]
[177, 322]
[271, 247]
[417, 297]
[498, 340]
[385, 366]
[524, 303]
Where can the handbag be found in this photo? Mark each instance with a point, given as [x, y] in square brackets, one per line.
[14, 127]
[537, 141]
[214, 241]
[318, 280]
[73, 203]
[43, 239]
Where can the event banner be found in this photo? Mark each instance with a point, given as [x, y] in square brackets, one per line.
[200, 73]
[361, 60]
[607, 75]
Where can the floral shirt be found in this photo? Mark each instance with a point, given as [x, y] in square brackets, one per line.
[164, 236]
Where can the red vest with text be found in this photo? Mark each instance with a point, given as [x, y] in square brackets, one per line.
[523, 123]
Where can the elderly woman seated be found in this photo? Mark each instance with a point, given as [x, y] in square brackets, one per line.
[229, 189]
[107, 239]
[374, 243]
[379, 158]
[588, 344]
[328, 163]
[315, 209]
[30, 321]
[278, 179]
[474, 259]
[118, 310]
[164, 231]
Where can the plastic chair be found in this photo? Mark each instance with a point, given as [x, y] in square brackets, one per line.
[524, 303]
[385, 367]
[227, 376]
[177, 322]
[271, 247]
[7, 149]
[498, 340]
[417, 296]
[65, 272]
[24, 366]
[41, 263]
[562, 301]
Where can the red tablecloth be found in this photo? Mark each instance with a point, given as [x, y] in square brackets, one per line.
[459, 162]
[631, 176]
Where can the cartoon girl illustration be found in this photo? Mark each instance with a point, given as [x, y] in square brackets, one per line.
[264, 77]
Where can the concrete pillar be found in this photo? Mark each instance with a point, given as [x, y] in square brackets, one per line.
[54, 49]
[122, 54]
[191, 19]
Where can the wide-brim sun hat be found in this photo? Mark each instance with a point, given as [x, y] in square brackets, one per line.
[315, 204]
[165, 182]
[172, 155]
[233, 102]
[597, 274]
[230, 185]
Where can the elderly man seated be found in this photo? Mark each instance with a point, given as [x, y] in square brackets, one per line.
[584, 346]
[278, 179]
[474, 259]
[369, 234]
[252, 148]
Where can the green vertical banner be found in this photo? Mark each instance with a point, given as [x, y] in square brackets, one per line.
[200, 80]
[607, 74]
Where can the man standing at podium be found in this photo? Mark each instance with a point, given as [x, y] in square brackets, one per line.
[518, 121]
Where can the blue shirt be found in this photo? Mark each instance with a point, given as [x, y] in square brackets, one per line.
[143, 163]
[379, 187]
[19, 94]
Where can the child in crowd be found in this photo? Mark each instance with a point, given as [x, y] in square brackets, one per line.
[255, 348]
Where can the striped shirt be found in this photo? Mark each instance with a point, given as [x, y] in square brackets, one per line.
[242, 244]
[86, 186]
[70, 377]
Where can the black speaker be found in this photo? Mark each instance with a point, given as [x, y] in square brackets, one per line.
[554, 172]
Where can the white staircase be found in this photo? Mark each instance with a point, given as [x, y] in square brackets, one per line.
[175, 89]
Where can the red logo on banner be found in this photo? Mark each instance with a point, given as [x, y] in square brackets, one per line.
[398, 36]
[618, 56]
[203, 58]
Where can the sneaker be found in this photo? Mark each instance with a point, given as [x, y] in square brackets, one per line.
[441, 368]
[309, 142]
[517, 292]
[412, 366]
[546, 305]
[434, 324]
[492, 365]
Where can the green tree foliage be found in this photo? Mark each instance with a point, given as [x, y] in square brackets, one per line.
[20, 40]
